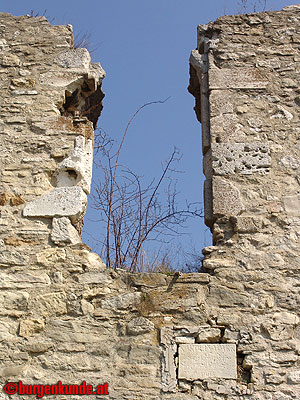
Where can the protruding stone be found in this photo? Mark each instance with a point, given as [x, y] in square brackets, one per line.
[60, 202]
[63, 232]
[74, 59]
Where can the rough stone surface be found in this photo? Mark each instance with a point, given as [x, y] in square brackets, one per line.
[226, 198]
[64, 232]
[240, 158]
[60, 202]
[76, 170]
[64, 316]
[201, 361]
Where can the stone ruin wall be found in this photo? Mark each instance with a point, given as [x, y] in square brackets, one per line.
[231, 332]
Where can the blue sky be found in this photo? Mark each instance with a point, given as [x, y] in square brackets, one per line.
[144, 47]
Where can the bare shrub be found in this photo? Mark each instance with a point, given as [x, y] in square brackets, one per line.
[135, 214]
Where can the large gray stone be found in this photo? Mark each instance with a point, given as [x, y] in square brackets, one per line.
[226, 198]
[201, 361]
[60, 202]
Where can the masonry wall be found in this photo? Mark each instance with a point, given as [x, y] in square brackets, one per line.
[229, 332]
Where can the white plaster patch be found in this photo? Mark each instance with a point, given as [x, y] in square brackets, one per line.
[60, 202]
[76, 170]
[201, 361]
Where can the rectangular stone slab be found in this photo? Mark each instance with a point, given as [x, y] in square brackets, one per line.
[201, 361]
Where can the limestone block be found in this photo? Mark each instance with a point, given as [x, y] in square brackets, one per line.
[237, 78]
[65, 79]
[213, 263]
[290, 162]
[242, 158]
[69, 331]
[29, 327]
[184, 340]
[292, 205]
[7, 331]
[87, 307]
[13, 370]
[223, 125]
[51, 256]
[64, 232]
[23, 280]
[38, 347]
[278, 332]
[226, 198]
[180, 299]
[50, 304]
[60, 202]
[247, 224]
[93, 262]
[139, 326]
[76, 170]
[122, 302]
[225, 297]
[202, 361]
[74, 58]
[169, 381]
[198, 61]
[294, 377]
[230, 336]
[13, 258]
[95, 277]
[14, 301]
[208, 335]
[286, 318]
[221, 102]
[148, 280]
[193, 278]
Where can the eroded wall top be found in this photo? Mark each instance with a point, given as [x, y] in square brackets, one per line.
[50, 102]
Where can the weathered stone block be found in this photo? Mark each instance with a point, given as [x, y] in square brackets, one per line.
[64, 232]
[202, 361]
[226, 198]
[75, 58]
[208, 335]
[60, 202]
[241, 158]
[29, 327]
[237, 78]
